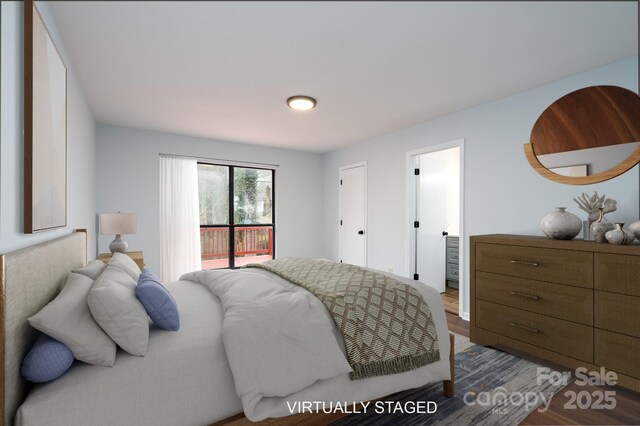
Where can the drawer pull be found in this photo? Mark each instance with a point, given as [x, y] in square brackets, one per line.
[522, 262]
[528, 296]
[524, 327]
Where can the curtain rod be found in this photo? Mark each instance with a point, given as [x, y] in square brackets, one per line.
[220, 159]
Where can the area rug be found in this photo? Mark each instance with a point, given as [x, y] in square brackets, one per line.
[491, 388]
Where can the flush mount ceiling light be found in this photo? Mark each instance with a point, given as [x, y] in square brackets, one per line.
[301, 103]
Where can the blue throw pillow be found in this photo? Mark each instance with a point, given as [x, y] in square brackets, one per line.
[47, 360]
[158, 302]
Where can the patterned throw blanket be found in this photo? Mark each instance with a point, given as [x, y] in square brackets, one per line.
[386, 325]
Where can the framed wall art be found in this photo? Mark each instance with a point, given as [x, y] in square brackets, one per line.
[579, 170]
[45, 127]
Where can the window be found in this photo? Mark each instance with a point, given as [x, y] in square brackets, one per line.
[237, 211]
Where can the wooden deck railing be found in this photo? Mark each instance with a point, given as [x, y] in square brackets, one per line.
[249, 240]
[214, 243]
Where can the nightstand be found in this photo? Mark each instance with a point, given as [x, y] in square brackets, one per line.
[137, 257]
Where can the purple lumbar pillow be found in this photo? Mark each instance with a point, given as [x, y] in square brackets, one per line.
[157, 301]
[47, 360]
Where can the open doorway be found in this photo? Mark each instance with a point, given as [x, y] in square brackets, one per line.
[435, 202]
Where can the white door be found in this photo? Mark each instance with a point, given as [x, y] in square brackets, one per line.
[438, 213]
[353, 199]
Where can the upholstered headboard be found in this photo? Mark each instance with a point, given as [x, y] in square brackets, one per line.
[29, 279]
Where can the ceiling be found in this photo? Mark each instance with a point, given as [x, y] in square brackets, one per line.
[223, 70]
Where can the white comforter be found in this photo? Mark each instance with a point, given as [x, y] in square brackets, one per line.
[283, 346]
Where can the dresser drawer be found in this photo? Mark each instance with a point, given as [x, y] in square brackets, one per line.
[453, 272]
[617, 273]
[617, 312]
[571, 339]
[618, 352]
[556, 300]
[453, 242]
[453, 255]
[557, 266]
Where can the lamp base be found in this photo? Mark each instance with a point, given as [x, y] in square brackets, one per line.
[118, 245]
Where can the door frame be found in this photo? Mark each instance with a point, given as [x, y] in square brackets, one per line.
[410, 211]
[366, 208]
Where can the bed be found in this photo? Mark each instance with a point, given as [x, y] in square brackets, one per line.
[185, 378]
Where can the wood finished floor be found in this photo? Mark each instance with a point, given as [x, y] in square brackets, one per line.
[627, 411]
[450, 299]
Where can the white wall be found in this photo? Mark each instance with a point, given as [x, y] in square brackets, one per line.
[81, 141]
[502, 193]
[128, 176]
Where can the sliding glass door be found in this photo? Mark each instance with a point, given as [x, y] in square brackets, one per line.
[237, 220]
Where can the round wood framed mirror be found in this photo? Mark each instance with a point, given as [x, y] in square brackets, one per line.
[587, 136]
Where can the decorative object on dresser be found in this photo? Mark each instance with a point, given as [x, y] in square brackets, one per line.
[45, 127]
[137, 257]
[600, 227]
[453, 260]
[598, 126]
[635, 229]
[561, 225]
[619, 235]
[118, 224]
[574, 303]
[592, 205]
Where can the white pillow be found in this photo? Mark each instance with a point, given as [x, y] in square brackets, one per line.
[124, 263]
[67, 318]
[116, 309]
[92, 270]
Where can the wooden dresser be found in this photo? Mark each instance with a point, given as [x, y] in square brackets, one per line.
[574, 303]
[452, 272]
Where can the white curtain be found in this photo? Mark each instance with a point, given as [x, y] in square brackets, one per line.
[179, 217]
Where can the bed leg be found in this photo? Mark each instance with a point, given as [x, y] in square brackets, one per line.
[448, 385]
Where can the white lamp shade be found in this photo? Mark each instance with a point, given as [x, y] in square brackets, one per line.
[118, 223]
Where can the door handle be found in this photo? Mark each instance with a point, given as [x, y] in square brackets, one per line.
[360, 232]
[445, 233]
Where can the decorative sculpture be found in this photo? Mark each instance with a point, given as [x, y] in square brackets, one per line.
[592, 205]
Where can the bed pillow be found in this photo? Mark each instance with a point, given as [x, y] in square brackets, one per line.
[124, 263]
[47, 360]
[114, 306]
[92, 270]
[157, 301]
[67, 319]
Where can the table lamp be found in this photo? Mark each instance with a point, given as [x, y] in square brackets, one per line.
[118, 224]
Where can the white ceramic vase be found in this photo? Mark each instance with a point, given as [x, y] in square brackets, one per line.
[600, 227]
[620, 236]
[635, 229]
[561, 225]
